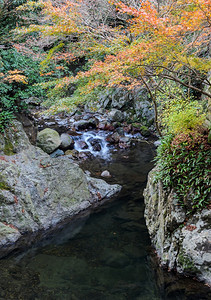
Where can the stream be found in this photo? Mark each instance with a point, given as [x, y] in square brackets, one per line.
[105, 254]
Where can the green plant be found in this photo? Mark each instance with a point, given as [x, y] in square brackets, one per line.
[183, 165]
[5, 119]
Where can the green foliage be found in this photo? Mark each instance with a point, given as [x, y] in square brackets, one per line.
[5, 118]
[13, 92]
[8, 16]
[183, 165]
[178, 111]
[184, 117]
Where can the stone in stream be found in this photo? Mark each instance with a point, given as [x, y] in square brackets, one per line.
[66, 141]
[105, 173]
[113, 138]
[57, 153]
[83, 145]
[124, 142]
[48, 140]
[85, 124]
[96, 144]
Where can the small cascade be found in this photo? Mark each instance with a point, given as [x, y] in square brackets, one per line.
[93, 142]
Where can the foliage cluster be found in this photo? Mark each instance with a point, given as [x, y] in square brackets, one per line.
[18, 74]
[183, 162]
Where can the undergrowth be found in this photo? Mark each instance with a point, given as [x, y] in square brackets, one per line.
[183, 162]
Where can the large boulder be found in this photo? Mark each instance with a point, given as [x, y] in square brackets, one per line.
[38, 192]
[181, 243]
[48, 140]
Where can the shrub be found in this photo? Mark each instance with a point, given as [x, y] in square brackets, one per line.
[183, 162]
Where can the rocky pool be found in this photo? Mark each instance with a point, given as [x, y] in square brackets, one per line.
[104, 254]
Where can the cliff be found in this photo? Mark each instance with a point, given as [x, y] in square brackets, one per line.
[181, 242]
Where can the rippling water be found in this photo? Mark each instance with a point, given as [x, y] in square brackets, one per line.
[103, 255]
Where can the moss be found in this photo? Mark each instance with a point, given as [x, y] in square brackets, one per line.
[144, 131]
[8, 148]
[187, 263]
[4, 186]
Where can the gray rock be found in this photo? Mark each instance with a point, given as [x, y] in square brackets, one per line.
[48, 140]
[105, 173]
[184, 247]
[101, 189]
[57, 153]
[85, 124]
[14, 139]
[115, 115]
[66, 141]
[37, 192]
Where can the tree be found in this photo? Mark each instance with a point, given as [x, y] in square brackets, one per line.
[171, 43]
[147, 43]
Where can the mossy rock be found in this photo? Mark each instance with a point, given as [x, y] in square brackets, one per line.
[144, 131]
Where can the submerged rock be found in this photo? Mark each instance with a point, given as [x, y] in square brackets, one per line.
[180, 244]
[38, 192]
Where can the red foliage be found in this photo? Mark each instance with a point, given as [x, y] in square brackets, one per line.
[191, 140]
[190, 227]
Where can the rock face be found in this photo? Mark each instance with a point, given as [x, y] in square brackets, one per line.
[38, 192]
[48, 140]
[181, 244]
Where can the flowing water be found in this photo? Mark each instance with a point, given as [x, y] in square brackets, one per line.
[104, 255]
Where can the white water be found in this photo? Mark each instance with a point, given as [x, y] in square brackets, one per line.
[87, 137]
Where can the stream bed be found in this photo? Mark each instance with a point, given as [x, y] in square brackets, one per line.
[105, 254]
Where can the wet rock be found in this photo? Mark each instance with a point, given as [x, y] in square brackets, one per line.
[105, 173]
[102, 125]
[48, 140]
[128, 128]
[67, 141]
[100, 189]
[96, 144]
[113, 138]
[8, 236]
[120, 131]
[82, 145]
[57, 153]
[85, 124]
[124, 142]
[72, 153]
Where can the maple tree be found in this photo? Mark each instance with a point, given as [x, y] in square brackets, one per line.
[126, 43]
[166, 45]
